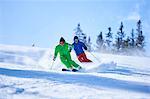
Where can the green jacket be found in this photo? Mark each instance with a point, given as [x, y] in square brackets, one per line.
[63, 50]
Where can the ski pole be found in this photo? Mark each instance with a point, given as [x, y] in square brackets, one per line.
[52, 65]
[95, 57]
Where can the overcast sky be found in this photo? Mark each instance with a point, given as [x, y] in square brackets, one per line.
[43, 22]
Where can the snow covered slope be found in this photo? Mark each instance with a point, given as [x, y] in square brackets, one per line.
[30, 73]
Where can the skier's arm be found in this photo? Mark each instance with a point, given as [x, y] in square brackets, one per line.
[70, 46]
[84, 46]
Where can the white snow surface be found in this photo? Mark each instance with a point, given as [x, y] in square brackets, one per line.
[30, 73]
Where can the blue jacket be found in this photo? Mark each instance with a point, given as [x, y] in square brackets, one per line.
[78, 47]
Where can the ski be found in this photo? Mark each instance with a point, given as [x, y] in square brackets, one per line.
[65, 69]
[73, 70]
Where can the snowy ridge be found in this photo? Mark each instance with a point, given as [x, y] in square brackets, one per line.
[29, 73]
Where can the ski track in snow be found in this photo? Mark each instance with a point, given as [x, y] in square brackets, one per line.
[27, 72]
[78, 78]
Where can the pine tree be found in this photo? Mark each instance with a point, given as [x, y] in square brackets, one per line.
[139, 27]
[117, 43]
[120, 37]
[140, 41]
[100, 41]
[140, 38]
[82, 36]
[132, 39]
[109, 37]
[89, 44]
[127, 42]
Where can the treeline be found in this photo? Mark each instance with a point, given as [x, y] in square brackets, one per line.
[117, 42]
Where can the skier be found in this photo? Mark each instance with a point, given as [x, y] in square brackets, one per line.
[78, 47]
[64, 50]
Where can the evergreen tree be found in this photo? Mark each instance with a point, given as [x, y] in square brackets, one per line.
[120, 37]
[100, 41]
[132, 39]
[82, 36]
[109, 37]
[89, 44]
[117, 43]
[126, 43]
[139, 27]
[140, 41]
[140, 38]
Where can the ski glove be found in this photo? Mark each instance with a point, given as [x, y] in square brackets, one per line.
[70, 50]
[85, 48]
[54, 58]
[70, 47]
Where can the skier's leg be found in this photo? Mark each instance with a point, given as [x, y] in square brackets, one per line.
[85, 58]
[72, 62]
[65, 62]
[80, 58]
